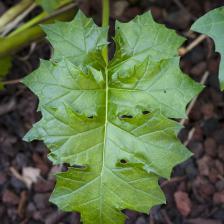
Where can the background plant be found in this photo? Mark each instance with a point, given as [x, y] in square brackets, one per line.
[14, 34]
[212, 24]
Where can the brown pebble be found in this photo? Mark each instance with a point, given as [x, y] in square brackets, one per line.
[3, 178]
[221, 152]
[183, 203]
[202, 221]
[204, 187]
[204, 165]
[39, 162]
[218, 197]
[213, 175]
[220, 185]
[10, 197]
[210, 147]
[54, 217]
[198, 69]
[220, 167]
[43, 186]
[208, 110]
[41, 200]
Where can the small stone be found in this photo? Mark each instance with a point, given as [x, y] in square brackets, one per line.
[213, 65]
[131, 12]
[210, 126]
[12, 213]
[119, 8]
[41, 200]
[204, 187]
[183, 203]
[43, 186]
[208, 110]
[197, 133]
[202, 221]
[39, 162]
[219, 214]
[220, 185]
[210, 147]
[31, 208]
[10, 197]
[21, 160]
[74, 218]
[179, 19]
[221, 152]
[204, 165]
[42, 214]
[3, 178]
[218, 198]
[219, 167]
[197, 148]
[213, 175]
[197, 55]
[218, 135]
[17, 184]
[141, 220]
[198, 69]
[157, 12]
[54, 217]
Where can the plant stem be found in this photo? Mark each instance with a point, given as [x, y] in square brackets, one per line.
[43, 16]
[11, 82]
[10, 26]
[192, 45]
[105, 23]
[29, 24]
[14, 12]
[13, 43]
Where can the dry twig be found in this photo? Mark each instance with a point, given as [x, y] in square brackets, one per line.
[184, 50]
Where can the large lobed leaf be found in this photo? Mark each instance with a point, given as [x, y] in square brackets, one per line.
[111, 123]
[212, 24]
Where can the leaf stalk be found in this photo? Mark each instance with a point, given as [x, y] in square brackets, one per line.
[13, 12]
[105, 23]
[18, 40]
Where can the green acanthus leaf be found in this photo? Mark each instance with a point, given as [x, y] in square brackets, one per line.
[111, 123]
[212, 24]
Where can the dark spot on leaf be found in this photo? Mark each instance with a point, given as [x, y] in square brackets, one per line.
[164, 91]
[77, 166]
[90, 117]
[123, 161]
[125, 116]
[145, 112]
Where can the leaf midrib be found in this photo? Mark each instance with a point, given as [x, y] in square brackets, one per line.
[105, 140]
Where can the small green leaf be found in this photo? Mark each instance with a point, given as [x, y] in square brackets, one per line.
[212, 24]
[111, 123]
[51, 5]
